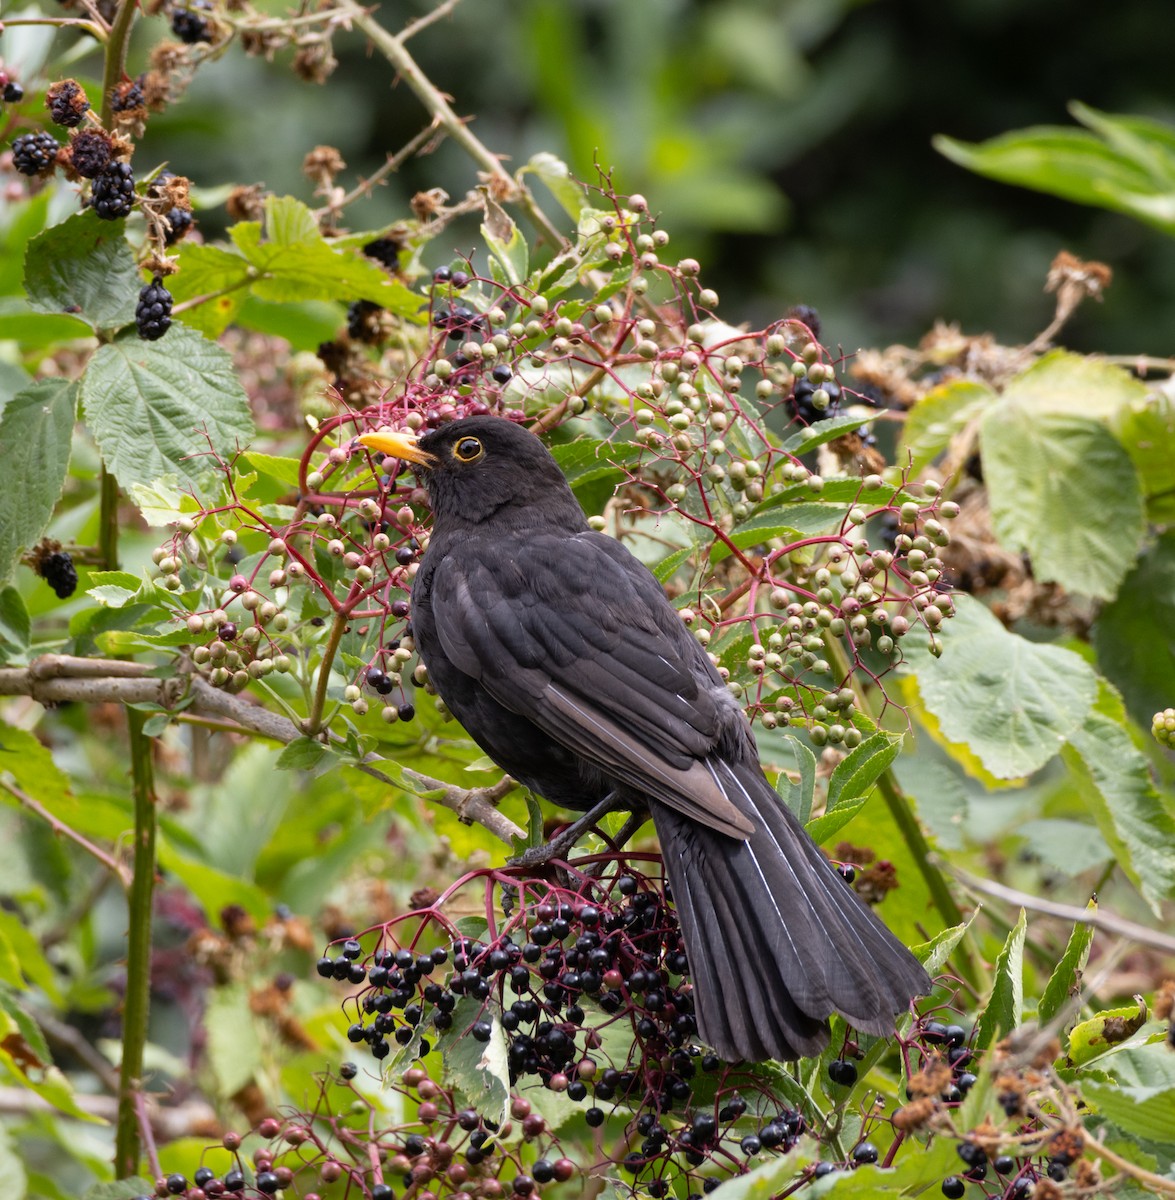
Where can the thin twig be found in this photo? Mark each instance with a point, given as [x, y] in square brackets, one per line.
[1099, 918]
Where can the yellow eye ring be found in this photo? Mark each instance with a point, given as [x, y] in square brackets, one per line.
[467, 450]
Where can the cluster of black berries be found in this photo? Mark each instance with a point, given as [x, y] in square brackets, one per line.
[34, 153]
[153, 312]
[385, 250]
[958, 1056]
[190, 25]
[976, 1160]
[564, 969]
[460, 322]
[454, 279]
[362, 322]
[59, 573]
[802, 407]
[112, 194]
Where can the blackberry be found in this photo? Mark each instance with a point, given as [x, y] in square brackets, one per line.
[153, 313]
[60, 574]
[113, 193]
[361, 325]
[179, 221]
[384, 250]
[67, 103]
[13, 92]
[190, 27]
[128, 96]
[89, 152]
[34, 153]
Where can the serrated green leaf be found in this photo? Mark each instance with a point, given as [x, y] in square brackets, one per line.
[1146, 1113]
[110, 595]
[161, 502]
[122, 1189]
[19, 323]
[849, 791]
[31, 767]
[1115, 783]
[765, 1181]
[587, 460]
[85, 267]
[478, 1070]
[667, 567]
[1063, 490]
[33, 962]
[1005, 1008]
[1012, 702]
[220, 276]
[1146, 427]
[157, 408]
[1102, 1032]
[1063, 982]
[936, 953]
[938, 417]
[36, 428]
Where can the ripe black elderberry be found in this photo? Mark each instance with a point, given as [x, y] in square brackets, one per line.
[60, 574]
[865, 1152]
[113, 192]
[843, 1072]
[153, 312]
[953, 1187]
[34, 153]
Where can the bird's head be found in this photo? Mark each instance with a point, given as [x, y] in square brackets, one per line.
[485, 467]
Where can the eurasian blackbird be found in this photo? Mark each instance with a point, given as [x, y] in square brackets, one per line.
[559, 653]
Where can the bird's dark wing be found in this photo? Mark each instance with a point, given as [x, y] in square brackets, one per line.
[574, 634]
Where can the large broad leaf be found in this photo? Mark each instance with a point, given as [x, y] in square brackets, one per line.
[1063, 489]
[83, 266]
[35, 432]
[220, 277]
[1146, 427]
[851, 783]
[1013, 702]
[1114, 780]
[158, 408]
[1147, 1113]
[1131, 654]
[234, 1049]
[555, 173]
[819, 433]
[1005, 1008]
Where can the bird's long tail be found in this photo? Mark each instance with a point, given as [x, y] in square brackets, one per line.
[776, 939]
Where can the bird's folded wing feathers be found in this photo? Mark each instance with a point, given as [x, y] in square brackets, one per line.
[577, 648]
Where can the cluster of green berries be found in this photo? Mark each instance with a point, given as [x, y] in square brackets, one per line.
[1163, 726]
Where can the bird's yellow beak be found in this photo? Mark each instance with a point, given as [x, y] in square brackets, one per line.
[397, 445]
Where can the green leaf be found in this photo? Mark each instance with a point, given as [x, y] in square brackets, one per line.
[587, 460]
[1012, 702]
[556, 175]
[13, 1180]
[302, 754]
[1074, 165]
[789, 523]
[1139, 664]
[19, 323]
[28, 951]
[801, 791]
[1114, 781]
[1146, 1113]
[160, 502]
[1062, 489]
[83, 266]
[1146, 427]
[1005, 1008]
[935, 954]
[667, 567]
[15, 626]
[938, 417]
[36, 429]
[819, 433]
[505, 243]
[284, 470]
[1102, 1032]
[157, 408]
[213, 272]
[233, 1048]
[123, 1189]
[851, 783]
[1064, 980]
[479, 1070]
[766, 1181]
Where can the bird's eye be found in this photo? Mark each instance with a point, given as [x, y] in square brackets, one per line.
[467, 450]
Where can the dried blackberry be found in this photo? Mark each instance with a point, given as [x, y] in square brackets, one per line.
[384, 250]
[190, 27]
[89, 151]
[34, 153]
[179, 221]
[153, 312]
[113, 192]
[60, 574]
[67, 103]
[128, 95]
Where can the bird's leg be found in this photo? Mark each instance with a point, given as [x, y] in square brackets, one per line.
[563, 841]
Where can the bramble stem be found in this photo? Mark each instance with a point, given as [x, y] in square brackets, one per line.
[108, 520]
[115, 59]
[137, 1003]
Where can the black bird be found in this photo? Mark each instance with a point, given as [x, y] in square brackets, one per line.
[559, 653]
